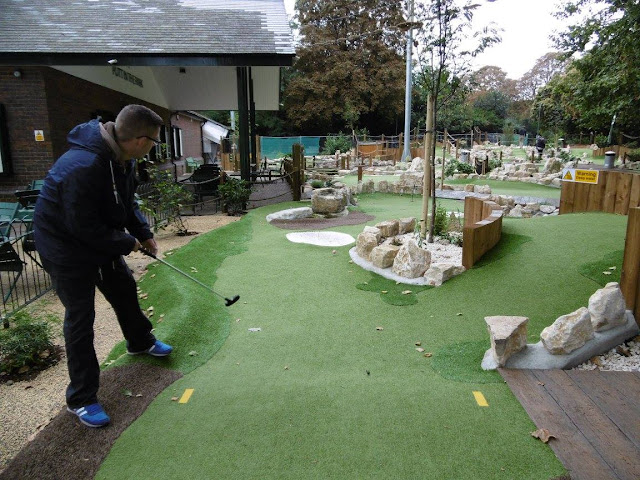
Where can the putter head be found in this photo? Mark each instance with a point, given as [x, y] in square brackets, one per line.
[230, 301]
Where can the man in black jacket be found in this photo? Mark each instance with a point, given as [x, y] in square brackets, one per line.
[86, 219]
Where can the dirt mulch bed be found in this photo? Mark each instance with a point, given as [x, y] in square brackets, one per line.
[67, 449]
[319, 223]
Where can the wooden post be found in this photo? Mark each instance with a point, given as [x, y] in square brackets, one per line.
[401, 144]
[348, 160]
[457, 148]
[500, 156]
[533, 156]
[630, 276]
[444, 156]
[359, 173]
[298, 153]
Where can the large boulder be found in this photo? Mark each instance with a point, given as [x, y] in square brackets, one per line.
[417, 165]
[328, 201]
[406, 225]
[366, 242]
[383, 256]
[568, 333]
[375, 230]
[411, 260]
[552, 165]
[438, 273]
[388, 228]
[508, 335]
[607, 307]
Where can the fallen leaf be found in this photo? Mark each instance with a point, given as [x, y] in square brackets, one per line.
[623, 350]
[420, 349]
[418, 344]
[406, 292]
[596, 361]
[193, 353]
[153, 275]
[127, 393]
[286, 367]
[334, 251]
[174, 399]
[46, 353]
[350, 261]
[150, 309]
[606, 273]
[24, 369]
[138, 395]
[379, 328]
[459, 314]
[612, 268]
[384, 291]
[540, 383]
[429, 354]
[543, 434]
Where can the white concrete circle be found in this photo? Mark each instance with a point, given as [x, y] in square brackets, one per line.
[322, 239]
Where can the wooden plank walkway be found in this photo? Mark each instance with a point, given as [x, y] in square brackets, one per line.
[594, 415]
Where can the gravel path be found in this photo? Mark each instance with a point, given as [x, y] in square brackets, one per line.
[27, 406]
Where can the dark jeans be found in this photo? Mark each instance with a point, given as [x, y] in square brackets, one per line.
[76, 288]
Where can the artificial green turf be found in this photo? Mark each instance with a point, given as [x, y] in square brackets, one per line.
[393, 293]
[607, 269]
[321, 392]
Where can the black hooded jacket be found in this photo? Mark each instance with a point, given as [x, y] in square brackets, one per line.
[80, 216]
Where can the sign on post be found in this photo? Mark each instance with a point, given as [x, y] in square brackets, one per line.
[580, 176]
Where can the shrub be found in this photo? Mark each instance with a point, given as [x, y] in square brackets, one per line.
[235, 194]
[317, 183]
[340, 142]
[166, 198]
[441, 222]
[27, 344]
[455, 166]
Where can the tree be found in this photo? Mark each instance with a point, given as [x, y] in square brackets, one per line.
[350, 66]
[445, 24]
[545, 68]
[608, 71]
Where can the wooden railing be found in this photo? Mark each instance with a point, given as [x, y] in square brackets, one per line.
[615, 192]
[630, 276]
[482, 229]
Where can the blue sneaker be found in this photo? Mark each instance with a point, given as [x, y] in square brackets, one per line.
[158, 349]
[91, 415]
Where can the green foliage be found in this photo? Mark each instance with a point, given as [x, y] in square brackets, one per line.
[333, 143]
[28, 343]
[165, 199]
[317, 183]
[342, 76]
[441, 221]
[455, 166]
[494, 163]
[235, 194]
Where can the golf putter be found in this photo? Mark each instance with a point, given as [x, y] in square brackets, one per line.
[227, 301]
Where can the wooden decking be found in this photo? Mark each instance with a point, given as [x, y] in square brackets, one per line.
[594, 416]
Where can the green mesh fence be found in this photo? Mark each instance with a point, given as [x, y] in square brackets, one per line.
[276, 147]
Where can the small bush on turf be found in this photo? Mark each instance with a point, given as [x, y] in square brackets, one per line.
[317, 183]
[28, 344]
[441, 222]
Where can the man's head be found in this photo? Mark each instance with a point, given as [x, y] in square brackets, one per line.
[137, 130]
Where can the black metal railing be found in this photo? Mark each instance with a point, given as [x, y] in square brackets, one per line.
[22, 277]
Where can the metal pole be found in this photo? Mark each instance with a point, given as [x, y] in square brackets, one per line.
[406, 154]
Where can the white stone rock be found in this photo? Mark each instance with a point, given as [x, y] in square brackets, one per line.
[411, 261]
[438, 273]
[607, 307]
[383, 256]
[417, 165]
[516, 212]
[375, 231]
[508, 335]
[290, 214]
[547, 209]
[568, 333]
[327, 201]
[366, 242]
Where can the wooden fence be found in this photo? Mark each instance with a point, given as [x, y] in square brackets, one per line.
[482, 229]
[630, 277]
[615, 192]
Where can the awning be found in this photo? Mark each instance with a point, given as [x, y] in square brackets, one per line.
[214, 132]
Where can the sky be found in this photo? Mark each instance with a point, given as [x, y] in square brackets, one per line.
[527, 25]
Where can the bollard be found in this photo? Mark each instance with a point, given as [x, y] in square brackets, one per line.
[359, 173]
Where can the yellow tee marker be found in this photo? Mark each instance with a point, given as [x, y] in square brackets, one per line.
[186, 395]
[480, 400]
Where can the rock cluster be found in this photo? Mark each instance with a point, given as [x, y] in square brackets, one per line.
[391, 245]
[568, 333]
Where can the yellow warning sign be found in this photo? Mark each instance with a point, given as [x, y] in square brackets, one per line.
[580, 176]
[39, 135]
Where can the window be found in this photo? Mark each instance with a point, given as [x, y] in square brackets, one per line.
[176, 147]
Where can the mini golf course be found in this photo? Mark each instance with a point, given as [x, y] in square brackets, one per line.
[312, 374]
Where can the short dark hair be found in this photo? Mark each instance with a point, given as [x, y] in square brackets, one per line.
[136, 121]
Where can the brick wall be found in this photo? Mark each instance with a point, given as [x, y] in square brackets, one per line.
[46, 99]
[191, 134]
